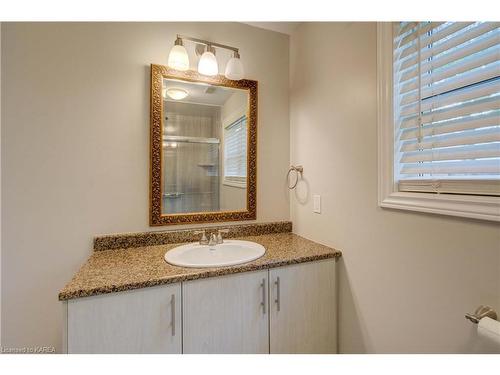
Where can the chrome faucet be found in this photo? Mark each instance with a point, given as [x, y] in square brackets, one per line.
[213, 240]
[203, 239]
[219, 235]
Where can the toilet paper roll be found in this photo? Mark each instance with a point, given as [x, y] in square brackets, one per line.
[489, 330]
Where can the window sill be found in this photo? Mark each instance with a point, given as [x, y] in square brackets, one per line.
[476, 207]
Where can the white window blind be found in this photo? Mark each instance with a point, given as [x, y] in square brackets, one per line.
[235, 152]
[447, 107]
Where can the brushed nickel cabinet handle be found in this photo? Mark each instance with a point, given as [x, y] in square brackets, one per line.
[277, 300]
[172, 313]
[263, 303]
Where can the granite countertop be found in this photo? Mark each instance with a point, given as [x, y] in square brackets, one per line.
[109, 271]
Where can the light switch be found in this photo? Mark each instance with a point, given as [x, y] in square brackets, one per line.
[317, 203]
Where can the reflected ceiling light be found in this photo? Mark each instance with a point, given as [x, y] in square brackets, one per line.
[178, 57]
[234, 68]
[208, 63]
[176, 93]
[170, 144]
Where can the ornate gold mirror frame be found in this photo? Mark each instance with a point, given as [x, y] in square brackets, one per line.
[158, 73]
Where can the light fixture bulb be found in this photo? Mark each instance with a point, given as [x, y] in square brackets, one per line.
[234, 68]
[178, 57]
[208, 63]
[176, 93]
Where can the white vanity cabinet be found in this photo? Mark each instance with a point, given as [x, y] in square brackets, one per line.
[303, 308]
[144, 320]
[289, 309]
[227, 314]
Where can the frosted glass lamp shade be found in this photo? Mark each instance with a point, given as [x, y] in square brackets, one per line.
[208, 64]
[178, 58]
[234, 69]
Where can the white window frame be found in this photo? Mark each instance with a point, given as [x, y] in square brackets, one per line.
[237, 182]
[471, 206]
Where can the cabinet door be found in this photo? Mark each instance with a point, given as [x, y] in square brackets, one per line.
[226, 314]
[138, 321]
[303, 308]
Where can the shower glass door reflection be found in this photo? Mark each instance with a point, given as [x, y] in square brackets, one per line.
[191, 181]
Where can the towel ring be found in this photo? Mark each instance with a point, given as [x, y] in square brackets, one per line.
[298, 170]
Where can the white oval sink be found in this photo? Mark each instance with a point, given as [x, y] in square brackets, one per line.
[229, 253]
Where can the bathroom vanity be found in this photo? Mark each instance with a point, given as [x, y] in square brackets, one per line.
[131, 301]
[127, 299]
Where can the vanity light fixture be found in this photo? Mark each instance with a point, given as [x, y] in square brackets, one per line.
[207, 65]
[178, 57]
[234, 68]
[176, 93]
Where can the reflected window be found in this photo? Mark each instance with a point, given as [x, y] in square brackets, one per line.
[235, 153]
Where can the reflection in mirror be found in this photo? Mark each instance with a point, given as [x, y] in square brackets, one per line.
[204, 161]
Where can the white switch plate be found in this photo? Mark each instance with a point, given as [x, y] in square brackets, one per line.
[317, 203]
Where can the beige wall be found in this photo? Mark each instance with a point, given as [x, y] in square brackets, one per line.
[75, 148]
[406, 279]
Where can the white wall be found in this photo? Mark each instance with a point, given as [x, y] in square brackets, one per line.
[75, 148]
[406, 279]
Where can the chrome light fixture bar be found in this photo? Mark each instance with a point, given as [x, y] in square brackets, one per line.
[178, 58]
[206, 42]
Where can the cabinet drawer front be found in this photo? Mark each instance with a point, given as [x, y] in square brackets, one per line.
[138, 321]
[226, 314]
[303, 308]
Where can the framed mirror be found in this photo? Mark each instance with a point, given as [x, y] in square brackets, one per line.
[203, 148]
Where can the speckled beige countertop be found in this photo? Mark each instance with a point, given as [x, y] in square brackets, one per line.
[116, 270]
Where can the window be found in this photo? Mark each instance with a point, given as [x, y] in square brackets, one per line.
[235, 153]
[439, 117]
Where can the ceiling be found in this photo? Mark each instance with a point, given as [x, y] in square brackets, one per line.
[281, 27]
[197, 92]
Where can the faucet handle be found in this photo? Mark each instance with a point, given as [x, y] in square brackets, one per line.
[219, 235]
[203, 239]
